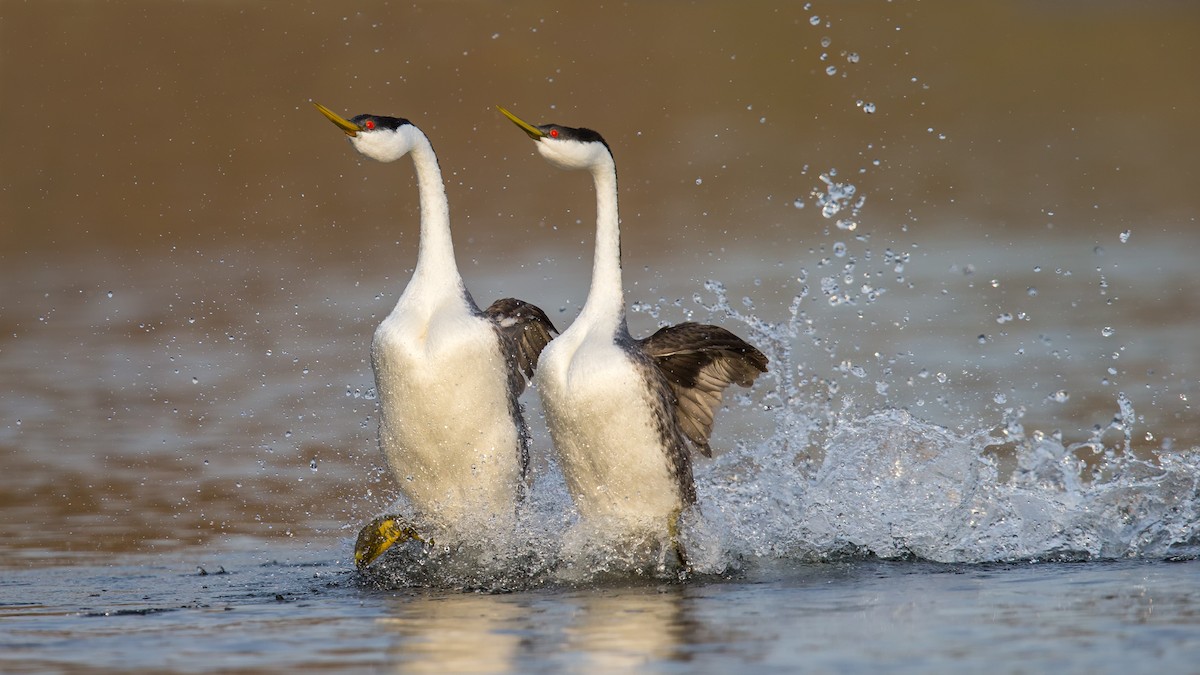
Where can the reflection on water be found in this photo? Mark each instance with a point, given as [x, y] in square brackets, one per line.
[607, 629]
[263, 617]
[456, 633]
[621, 631]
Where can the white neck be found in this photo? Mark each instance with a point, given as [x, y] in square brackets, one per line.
[435, 255]
[605, 305]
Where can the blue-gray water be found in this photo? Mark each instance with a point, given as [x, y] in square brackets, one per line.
[964, 234]
[309, 613]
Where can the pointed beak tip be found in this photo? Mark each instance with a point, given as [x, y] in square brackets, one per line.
[533, 132]
[350, 128]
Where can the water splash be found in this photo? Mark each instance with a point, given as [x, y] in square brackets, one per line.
[823, 478]
[893, 486]
[838, 197]
[823, 481]
[829, 483]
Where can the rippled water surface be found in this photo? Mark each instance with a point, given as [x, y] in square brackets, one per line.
[963, 235]
[310, 613]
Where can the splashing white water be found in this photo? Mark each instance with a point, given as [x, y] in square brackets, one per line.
[821, 484]
[821, 476]
[829, 484]
[893, 486]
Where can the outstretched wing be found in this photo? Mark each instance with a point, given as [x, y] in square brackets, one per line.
[699, 362]
[524, 329]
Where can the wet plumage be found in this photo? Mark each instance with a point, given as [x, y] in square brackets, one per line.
[622, 411]
[447, 373]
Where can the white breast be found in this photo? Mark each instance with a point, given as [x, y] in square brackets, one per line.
[599, 410]
[446, 429]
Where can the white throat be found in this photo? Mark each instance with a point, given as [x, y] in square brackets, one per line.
[436, 273]
[604, 308]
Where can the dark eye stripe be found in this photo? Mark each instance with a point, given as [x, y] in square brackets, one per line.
[560, 132]
[372, 122]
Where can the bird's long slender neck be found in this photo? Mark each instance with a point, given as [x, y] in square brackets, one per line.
[605, 305]
[435, 253]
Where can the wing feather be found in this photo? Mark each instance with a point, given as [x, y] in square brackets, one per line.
[525, 330]
[699, 362]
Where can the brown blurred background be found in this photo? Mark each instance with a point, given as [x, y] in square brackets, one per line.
[129, 128]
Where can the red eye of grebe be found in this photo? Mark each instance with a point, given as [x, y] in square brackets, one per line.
[554, 133]
[369, 124]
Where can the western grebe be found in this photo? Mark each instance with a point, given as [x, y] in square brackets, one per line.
[619, 409]
[447, 374]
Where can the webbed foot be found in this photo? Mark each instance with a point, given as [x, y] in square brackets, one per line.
[676, 544]
[381, 534]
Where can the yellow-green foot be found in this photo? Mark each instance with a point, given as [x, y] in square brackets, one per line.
[379, 535]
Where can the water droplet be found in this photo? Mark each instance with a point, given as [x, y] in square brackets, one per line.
[195, 380]
[312, 464]
[1031, 291]
[869, 108]
[941, 378]
[799, 203]
[839, 249]
[699, 181]
[109, 294]
[1060, 396]
[1107, 331]
[814, 20]
[852, 57]
[831, 70]
[1125, 236]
